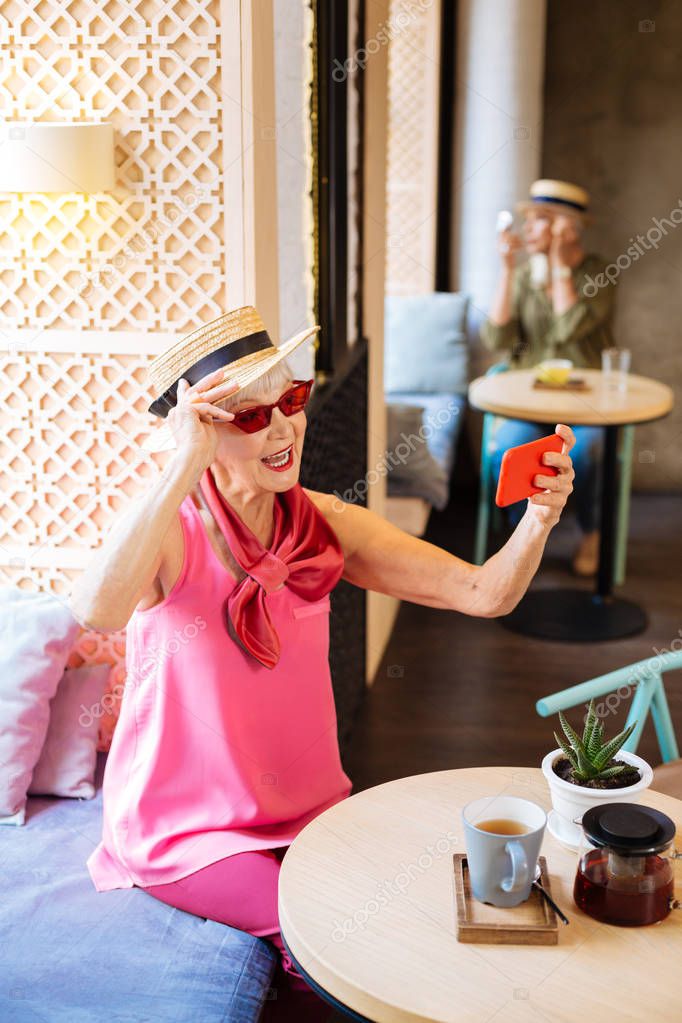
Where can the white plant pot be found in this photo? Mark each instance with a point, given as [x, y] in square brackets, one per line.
[570, 801]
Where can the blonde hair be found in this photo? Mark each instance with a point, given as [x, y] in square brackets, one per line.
[277, 377]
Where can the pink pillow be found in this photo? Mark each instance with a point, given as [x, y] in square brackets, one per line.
[66, 766]
[37, 631]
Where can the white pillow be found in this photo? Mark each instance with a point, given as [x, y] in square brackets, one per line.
[37, 632]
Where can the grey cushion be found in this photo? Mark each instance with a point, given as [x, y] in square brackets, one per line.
[425, 346]
[66, 766]
[446, 412]
[70, 954]
[412, 469]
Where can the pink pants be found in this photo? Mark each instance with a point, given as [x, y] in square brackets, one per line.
[241, 891]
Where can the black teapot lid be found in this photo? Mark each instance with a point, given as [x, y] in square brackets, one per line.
[628, 828]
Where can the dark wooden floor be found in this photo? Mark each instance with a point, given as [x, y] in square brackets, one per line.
[455, 691]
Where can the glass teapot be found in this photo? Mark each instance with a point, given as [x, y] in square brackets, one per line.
[625, 870]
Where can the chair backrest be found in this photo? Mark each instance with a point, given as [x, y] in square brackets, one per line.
[497, 367]
[643, 681]
[489, 420]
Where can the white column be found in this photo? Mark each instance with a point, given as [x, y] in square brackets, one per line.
[293, 21]
[499, 77]
[381, 608]
[250, 157]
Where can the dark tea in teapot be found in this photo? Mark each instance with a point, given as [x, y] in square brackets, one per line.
[624, 881]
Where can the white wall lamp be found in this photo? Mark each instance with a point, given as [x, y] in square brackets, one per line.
[46, 156]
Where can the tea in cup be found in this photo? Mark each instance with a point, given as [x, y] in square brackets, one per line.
[503, 835]
[503, 826]
[554, 371]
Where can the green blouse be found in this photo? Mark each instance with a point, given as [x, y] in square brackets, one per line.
[535, 332]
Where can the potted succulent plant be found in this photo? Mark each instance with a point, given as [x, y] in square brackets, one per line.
[587, 770]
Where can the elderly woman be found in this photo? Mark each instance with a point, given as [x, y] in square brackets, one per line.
[549, 307]
[226, 745]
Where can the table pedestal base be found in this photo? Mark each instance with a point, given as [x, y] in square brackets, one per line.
[575, 616]
[325, 995]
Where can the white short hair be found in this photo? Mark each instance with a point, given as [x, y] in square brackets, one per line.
[276, 377]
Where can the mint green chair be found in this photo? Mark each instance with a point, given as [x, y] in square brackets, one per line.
[487, 508]
[646, 679]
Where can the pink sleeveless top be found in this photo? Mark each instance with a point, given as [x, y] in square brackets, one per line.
[213, 753]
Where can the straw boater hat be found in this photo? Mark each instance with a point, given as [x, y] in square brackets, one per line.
[558, 197]
[237, 339]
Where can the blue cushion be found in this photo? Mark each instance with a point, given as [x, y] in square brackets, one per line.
[425, 347]
[71, 954]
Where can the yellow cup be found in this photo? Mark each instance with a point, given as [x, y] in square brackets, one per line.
[554, 371]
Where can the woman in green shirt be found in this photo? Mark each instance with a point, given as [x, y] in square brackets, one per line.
[549, 307]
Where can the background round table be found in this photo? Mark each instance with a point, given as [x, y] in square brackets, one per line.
[573, 614]
[367, 911]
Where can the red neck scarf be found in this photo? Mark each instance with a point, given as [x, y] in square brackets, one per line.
[305, 555]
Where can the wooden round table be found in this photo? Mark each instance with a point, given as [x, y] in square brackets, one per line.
[367, 912]
[573, 614]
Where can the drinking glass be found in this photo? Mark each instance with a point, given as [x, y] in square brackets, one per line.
[615, 365]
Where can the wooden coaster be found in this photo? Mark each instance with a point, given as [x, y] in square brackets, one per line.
[533, 922]
[572, 384]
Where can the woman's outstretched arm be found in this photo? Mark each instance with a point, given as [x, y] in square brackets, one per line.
[381, 557]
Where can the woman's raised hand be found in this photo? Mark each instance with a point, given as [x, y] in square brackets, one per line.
[191, 420]
[565, 240]
[508, 244]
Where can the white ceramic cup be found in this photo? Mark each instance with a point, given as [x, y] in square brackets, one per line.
[502, 866]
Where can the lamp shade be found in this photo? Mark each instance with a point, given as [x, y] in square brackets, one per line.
[44, 156]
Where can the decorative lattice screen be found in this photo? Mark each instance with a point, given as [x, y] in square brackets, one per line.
[413, 76]
[71, 435]
[92, 286]
[150, 254]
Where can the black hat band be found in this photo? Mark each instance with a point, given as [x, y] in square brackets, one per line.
[217, 359]
[562, 202]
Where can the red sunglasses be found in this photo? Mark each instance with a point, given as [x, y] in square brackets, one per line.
[257, 417]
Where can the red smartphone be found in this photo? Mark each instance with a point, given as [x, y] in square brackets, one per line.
[520, 466]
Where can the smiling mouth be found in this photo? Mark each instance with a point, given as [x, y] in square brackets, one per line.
[280, 460]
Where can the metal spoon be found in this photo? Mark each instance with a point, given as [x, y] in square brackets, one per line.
[548, 899]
